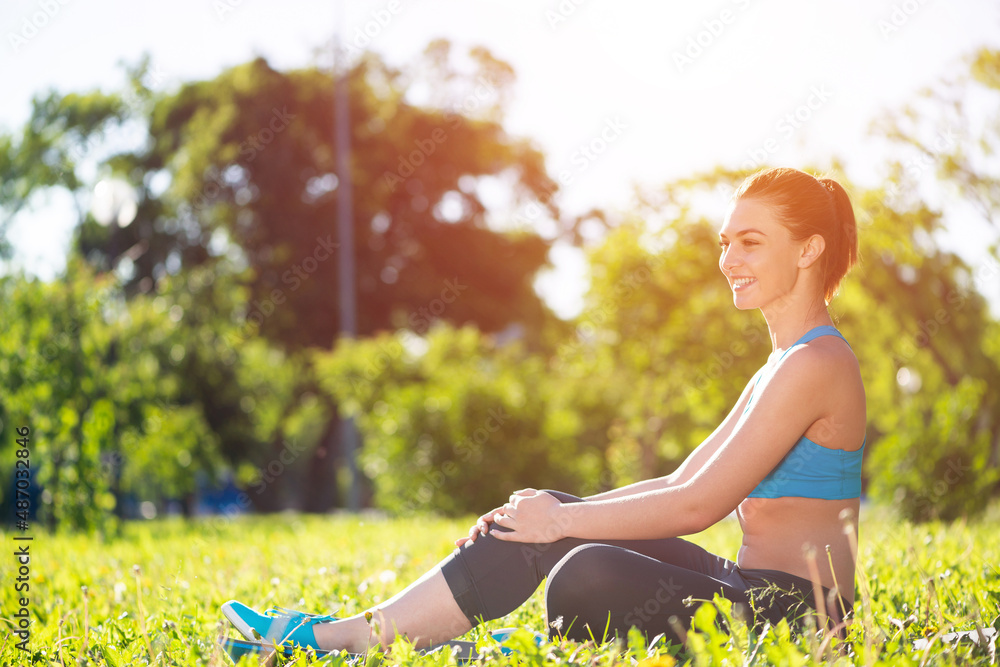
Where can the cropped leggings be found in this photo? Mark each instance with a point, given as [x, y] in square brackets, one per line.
[594, 586]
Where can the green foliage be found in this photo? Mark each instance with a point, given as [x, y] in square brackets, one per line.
[945, 472]
[660, 338]
[152, 596]
[239, 134]
[244, 164]
[210, 355]
[673, 354]
[934, 360]
[103, 411]
[456, 421]
[921, 328]
[230, 268]
[944, 140]
[53, 350]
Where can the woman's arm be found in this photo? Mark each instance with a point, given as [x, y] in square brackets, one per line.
[757, 443]
[632, 489]
[695, 459]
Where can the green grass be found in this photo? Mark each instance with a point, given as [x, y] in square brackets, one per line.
[153, 595]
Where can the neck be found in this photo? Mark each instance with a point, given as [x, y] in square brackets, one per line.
[791, 317]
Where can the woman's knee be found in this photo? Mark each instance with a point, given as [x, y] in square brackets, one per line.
[580, 579]
[599, 588]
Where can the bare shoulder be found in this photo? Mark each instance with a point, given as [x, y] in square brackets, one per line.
[827, 372]
[827, 357]
[823, 373]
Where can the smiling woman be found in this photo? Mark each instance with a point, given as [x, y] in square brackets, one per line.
[787, 460]
[807, 207]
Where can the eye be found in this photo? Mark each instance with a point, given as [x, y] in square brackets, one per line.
[723, 244]
[748, 242]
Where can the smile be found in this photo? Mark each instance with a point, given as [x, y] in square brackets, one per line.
[740, 284]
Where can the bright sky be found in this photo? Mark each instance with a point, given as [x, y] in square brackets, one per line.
[685, 86]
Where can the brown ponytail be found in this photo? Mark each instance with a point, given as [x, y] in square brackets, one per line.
[846, 254]
[807, 205]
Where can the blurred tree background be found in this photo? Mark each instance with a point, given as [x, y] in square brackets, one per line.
[200, 343]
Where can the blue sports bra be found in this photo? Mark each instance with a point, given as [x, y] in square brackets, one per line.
[810, 470]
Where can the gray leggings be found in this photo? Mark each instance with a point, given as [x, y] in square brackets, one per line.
[613, 585]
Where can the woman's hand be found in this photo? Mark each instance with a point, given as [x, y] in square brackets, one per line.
[530, 516]
[481, 527]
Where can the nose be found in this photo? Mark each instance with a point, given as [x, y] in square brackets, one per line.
[729, 259]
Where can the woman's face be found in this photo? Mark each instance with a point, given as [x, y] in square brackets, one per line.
[759, 257]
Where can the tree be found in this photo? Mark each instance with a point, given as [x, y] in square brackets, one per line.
[658, 332]
[247, 160]
[105, 415]
[950, 433]
[948, 139]
[238, 172]
[458, 420]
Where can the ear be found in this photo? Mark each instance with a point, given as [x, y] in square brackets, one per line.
[811, 251]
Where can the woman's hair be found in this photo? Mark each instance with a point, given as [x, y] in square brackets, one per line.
[807, 205]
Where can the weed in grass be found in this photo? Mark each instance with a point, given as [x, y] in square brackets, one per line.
[925, 595]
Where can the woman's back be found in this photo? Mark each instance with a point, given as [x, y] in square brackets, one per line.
[797, 510]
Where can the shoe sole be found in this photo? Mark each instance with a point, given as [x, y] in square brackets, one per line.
[464, 651]
[237, 649]
[238, 623]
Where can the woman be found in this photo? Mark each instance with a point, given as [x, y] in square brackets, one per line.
[787, 460]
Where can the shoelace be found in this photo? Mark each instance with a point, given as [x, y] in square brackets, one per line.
[293, 613]
[299, 618]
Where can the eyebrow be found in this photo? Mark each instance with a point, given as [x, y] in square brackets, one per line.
[743, 232]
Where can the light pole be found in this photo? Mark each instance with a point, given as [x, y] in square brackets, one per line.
[345, 233]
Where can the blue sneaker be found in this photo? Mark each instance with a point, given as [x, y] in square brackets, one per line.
[503, 634]
[279, 626]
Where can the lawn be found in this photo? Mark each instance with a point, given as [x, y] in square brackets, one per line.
[152, 596]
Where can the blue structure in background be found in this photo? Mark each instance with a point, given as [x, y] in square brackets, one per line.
[228, 499]
[8, 504]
